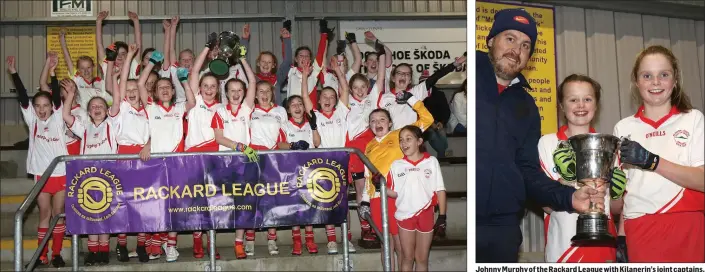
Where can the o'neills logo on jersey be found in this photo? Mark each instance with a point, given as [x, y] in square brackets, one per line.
[97, 194]
[655, 134]
[320, 183]
[681, 137]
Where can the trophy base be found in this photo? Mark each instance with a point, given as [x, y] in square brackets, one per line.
[593, 229]
[219, 68]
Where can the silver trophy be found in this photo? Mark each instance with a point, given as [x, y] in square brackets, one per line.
[227, 47]
[595, 154]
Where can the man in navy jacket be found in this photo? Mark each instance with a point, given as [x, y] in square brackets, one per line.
[508, 129]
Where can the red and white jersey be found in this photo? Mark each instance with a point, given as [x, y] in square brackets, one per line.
[416, 184]
[132, 125]
[87, 90]
[296, 132]
[267, 126]
[331, 80]
[235, 71]
[134, 68]
[294, 82]
[46, 141]
[200, 118]
[96, 139]
[561, 226]
[166, 126]
[82, 116]
[678, 138]
[359, 115]
[235, 125]
[171, 73]
[402, 114]
[333, 128]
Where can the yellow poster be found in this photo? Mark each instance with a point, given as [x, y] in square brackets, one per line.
[80, 41]
[541, 70]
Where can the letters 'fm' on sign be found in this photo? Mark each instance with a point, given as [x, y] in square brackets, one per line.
[71, 8]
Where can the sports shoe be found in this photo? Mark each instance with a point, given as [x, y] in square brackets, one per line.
[133, 254]
[332, 248]
[171, 254]
[103, 257]
[154, 256]
[91, 259]
[272, 246]
[296, 248]
[240, 252]
[250, 248]
[43, 260]
[57, 261]
[142, 255]
[351, 247]
[311, 247]
[122, 254]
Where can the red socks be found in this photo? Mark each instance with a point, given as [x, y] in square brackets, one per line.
[57, 239]
[41, 232]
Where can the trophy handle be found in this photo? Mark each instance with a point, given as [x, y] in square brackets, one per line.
[564, 144]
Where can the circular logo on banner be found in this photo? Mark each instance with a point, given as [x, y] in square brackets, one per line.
[96, 192]
[95, 195]
[320, 183]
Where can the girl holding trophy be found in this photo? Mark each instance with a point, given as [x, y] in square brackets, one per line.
[663, 156]
[578, 97]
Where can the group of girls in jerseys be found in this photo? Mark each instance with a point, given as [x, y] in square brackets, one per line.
[656, 187]
[168, 102]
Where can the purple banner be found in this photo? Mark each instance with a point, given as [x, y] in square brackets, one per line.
[202, 192]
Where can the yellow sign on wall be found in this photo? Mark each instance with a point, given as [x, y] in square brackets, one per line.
[541, 70]
[80, 41]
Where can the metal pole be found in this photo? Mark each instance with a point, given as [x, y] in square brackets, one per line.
[19, 215]
[211, 248]
[45, 240]
[346, 248]
[387, 260]
[74, 252]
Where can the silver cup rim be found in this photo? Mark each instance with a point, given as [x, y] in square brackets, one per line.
[585, 135]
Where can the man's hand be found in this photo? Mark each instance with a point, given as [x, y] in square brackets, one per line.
[583, 196]
[618, 183]
[564, 159]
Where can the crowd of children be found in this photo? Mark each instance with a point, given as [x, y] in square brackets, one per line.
[169, 102]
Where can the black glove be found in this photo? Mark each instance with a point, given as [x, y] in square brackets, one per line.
[465, 54]
[403, 96]
[379, 48]
[439, 229]
[340, 50]
[364, 210]
[633, 153]
[111, 53]
[312, 120]
[300, 145]
[323, 25]
[622, 256]
[350, 37]
[212, 40]
[287, 25]
[377, 182]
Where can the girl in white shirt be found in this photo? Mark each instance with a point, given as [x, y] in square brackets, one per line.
[331, 120]
[458, 118]
[417, 185]
[98, 137]
[231, 125]
[266, 132]
[132, 136]
[304, 53]
[165, 129]
[302, 133]
[46, 142]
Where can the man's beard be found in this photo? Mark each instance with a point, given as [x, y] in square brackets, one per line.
[507, 72]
